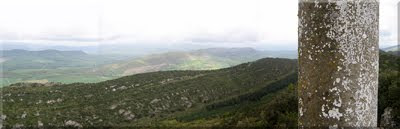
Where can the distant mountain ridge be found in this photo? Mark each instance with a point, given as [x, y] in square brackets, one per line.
[228, 52]
[49, 52]
[392, 48]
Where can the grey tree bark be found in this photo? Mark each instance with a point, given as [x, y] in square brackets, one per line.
[338, 63]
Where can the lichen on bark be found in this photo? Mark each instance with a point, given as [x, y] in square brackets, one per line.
[338, 63]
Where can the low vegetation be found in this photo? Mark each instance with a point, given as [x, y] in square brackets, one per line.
[144, 99]
[255, 94]
[389, 89]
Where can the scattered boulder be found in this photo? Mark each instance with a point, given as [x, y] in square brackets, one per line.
[3, 117]
[120, 111]
[23, 116]
[40, 124]
[73, 124]
[128, 115]
[387, 118]
[88, 96]
[122, 88]
[17, 126]
[113, 106]
[37, 113]
[155, 101]
[51, 101]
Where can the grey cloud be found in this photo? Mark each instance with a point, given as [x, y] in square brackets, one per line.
[54, 38]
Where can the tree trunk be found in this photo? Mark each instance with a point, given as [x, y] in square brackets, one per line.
[338, 63]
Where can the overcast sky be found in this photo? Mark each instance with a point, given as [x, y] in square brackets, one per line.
[228, 22]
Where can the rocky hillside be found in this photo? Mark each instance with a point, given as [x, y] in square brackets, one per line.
[144, 99]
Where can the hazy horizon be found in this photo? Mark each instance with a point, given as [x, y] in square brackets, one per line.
[161, 24]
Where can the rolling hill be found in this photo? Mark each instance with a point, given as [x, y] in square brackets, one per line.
[394, 50]
[148, 99]
[203, 59]
[77, 66]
